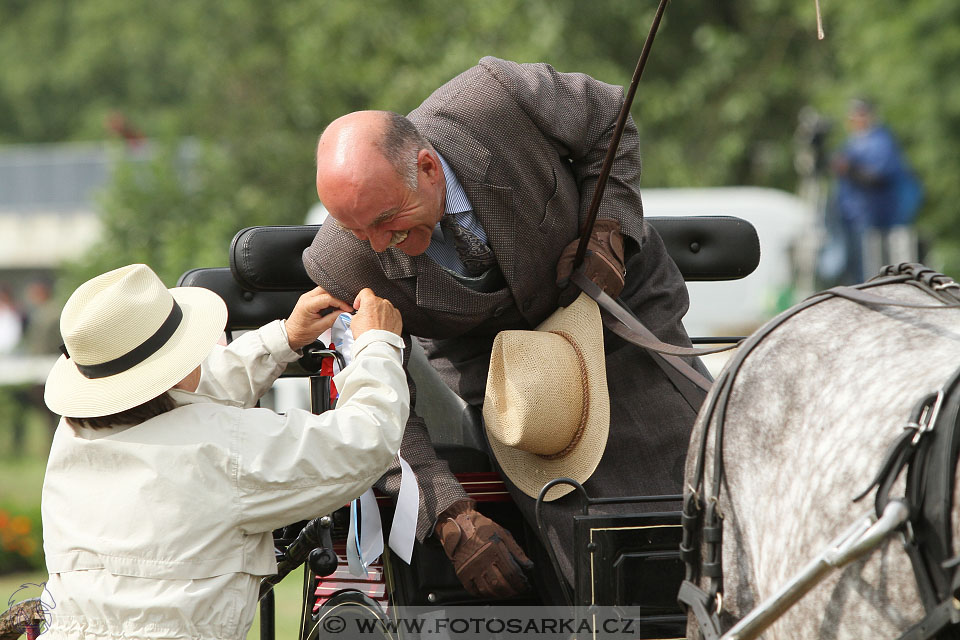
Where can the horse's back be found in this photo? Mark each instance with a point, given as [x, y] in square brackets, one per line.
[812, 409]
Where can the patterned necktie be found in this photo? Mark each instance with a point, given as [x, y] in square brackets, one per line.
[476, 255]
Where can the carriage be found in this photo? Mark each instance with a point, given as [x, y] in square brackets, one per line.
[621, 560]
[643, 565]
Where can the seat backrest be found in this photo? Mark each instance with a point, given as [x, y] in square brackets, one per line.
[710, 248]
[259, 288]
[246, 308]
[704, 248]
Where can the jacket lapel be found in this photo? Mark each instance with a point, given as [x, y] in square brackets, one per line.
[492, 203]
[493, 207]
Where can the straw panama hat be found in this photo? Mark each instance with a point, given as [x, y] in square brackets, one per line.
[546, 408]
[127, 339]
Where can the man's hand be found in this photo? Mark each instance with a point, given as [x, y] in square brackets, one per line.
[487, 559]
[374, 313]
[314, 314]
[602, 263]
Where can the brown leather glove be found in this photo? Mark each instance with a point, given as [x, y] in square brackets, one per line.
[602, 263]
[487, 559]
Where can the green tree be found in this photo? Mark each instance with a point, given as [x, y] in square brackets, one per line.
[233, 95]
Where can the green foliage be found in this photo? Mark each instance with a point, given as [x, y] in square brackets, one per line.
[251, 84]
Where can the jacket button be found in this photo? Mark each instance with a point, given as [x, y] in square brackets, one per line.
[499, 311]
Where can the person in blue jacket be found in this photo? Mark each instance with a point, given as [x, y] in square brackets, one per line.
[876, 196]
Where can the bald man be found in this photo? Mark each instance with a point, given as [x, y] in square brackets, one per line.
[465, 215]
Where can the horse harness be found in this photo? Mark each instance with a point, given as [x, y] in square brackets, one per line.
[926, 451]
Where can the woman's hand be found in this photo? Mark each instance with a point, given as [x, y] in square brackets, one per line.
[316, 311]
[374, 313]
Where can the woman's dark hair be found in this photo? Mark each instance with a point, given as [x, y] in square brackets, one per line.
[141, 413]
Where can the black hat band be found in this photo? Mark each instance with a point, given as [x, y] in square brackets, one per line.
[137, 355]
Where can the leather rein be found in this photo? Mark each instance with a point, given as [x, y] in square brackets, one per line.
[929, 470]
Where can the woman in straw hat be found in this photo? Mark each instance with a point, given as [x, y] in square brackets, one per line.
[164, 483]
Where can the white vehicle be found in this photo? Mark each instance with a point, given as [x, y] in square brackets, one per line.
[788, 230]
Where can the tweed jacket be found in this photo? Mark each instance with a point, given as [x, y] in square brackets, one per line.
[527, 144]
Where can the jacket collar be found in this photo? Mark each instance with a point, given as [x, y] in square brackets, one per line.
[182, 397]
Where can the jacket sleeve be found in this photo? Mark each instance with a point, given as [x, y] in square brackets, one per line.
[874, 159]
[246, 368]
[578, 114]
[301, 465]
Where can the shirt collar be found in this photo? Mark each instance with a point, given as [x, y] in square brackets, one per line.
[456, 200]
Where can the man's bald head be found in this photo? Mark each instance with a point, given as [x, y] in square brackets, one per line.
[374, 167]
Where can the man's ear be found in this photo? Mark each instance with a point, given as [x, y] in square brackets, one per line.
[429, 164]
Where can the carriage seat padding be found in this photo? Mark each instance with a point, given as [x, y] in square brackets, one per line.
[246, 308]
[710, 248]
[704, 248]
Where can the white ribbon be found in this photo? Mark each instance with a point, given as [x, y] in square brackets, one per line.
[365, 549]
[368, 546]
[353, 548]
[342, 339]
[403, 530]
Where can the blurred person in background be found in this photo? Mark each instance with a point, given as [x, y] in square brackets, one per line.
[11, 322]
[41, 336]
[876, 196]
[41, 341]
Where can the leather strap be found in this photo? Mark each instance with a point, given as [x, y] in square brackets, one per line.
[692, 384]
[943, 615]
[863, 297]
[645, 337]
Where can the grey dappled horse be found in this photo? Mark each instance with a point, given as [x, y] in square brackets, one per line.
[810, 414]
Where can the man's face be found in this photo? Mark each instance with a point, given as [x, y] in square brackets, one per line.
[859, 120]
[384, 211]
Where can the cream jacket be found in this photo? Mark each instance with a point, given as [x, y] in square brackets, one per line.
[163, 529]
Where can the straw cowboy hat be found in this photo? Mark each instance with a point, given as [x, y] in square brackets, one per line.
[128, 339]
[547, 409]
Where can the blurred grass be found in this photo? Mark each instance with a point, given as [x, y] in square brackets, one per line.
[21, 471]
[21, 482]
[287, 602]
[12, 583]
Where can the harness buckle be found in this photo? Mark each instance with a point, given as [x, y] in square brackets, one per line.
[713, 504]
[928, 419]
[906, 533]
[695, 495]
